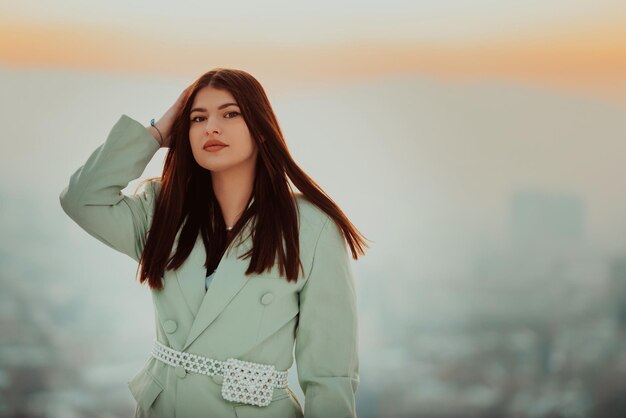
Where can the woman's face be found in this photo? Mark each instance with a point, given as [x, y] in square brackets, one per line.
[215, 115]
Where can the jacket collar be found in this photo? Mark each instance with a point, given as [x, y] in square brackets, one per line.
[230, 277]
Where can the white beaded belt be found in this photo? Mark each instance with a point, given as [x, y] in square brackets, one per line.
[244, 381]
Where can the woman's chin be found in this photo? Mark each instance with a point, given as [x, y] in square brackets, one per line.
[212, 166]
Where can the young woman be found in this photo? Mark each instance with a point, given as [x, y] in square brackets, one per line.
[240, 267]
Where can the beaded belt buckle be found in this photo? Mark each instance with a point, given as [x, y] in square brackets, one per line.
[246, 382]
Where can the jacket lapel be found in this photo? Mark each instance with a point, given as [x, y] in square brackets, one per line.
[229, 279]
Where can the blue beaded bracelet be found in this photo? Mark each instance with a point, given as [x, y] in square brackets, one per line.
[152, 124]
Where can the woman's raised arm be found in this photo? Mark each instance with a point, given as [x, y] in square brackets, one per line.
[94, 199]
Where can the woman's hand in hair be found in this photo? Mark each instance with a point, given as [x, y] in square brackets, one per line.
[164, 124]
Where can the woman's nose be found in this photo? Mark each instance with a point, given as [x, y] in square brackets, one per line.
[211, 127]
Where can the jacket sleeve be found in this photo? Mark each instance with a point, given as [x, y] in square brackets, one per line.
[326, 346]
[94, 199]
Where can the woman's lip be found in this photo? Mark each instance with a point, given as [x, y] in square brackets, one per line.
[214, 148]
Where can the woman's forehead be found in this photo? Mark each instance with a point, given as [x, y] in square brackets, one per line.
[212, 98]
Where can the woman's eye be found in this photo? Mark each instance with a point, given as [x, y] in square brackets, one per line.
[202, 117]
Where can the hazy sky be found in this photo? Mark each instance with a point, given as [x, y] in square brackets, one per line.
[324, 20]
[574, 45]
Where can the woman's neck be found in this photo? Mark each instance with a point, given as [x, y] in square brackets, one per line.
[232, 190]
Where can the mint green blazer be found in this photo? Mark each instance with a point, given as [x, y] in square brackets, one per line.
[260, 318]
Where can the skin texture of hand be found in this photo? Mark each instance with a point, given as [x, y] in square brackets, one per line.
[164, 124]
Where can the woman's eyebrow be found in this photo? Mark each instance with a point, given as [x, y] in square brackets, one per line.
[202, 109]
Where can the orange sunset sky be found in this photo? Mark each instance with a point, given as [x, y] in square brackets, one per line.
[561, 47]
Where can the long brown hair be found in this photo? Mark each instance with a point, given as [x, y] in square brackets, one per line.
[186, 197]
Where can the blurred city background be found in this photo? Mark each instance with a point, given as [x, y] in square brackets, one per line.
[481, 145]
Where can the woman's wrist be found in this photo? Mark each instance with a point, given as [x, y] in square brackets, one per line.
[156, 134]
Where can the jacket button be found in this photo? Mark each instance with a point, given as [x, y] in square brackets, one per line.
[218, 379]
[169, 326]
[181, 372]
[267, 298]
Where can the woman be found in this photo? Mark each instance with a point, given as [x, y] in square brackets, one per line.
[240, 267]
